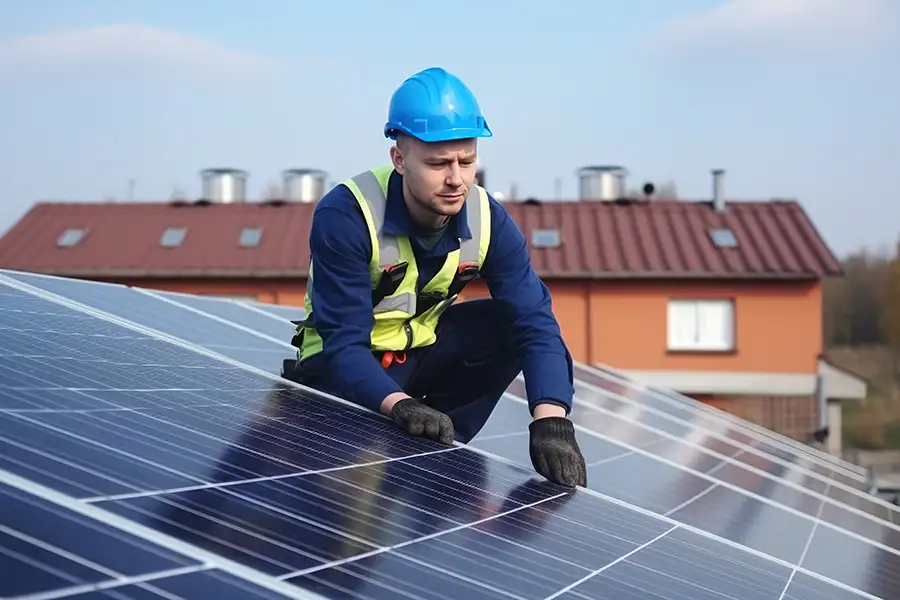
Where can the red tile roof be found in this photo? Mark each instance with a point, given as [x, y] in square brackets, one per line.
[656, 239]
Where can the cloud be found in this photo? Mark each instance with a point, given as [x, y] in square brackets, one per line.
[129, 46]
[783, 26]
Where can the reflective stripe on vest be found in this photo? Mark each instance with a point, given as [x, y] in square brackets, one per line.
[397, 324]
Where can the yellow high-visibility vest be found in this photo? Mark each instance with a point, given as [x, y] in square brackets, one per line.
[404, 319]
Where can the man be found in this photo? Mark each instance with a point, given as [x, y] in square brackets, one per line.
[392, 248]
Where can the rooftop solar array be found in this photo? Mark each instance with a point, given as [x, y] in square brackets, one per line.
[148, 449]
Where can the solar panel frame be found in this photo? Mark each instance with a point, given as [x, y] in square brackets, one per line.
[675, 524]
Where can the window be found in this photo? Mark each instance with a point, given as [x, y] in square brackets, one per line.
[250, 236]
[723, 238]
[70, 237]
[701, 325]
[172, 237]
[545, 238]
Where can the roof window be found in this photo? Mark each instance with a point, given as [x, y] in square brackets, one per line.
[723, 238]
[545, 238]
[250, 236]
[70, 237]
[172, 237]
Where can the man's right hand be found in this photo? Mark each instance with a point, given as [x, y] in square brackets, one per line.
[420, 420]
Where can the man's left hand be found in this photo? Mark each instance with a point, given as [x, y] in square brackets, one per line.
[555, 453]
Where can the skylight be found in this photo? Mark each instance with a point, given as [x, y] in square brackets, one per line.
[70, 237]
[723, 238]
[172, 237]
[545, 238]
[250, 236]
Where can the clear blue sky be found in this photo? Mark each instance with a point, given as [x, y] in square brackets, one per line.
[795, 98]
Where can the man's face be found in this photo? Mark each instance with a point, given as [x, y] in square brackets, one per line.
[438, 175]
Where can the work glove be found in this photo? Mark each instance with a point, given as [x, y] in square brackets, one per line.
[420, 420]
[555, 453]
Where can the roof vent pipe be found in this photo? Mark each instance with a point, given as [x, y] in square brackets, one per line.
[718, 198]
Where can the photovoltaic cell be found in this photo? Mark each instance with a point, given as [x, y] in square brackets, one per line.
[332, 499]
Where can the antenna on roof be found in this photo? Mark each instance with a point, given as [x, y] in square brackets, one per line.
[131, 186]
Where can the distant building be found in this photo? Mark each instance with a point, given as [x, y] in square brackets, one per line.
[719, 301]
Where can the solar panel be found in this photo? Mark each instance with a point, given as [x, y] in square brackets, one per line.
[235, 312]
[270, 484]
[149, 311]
[679, 405]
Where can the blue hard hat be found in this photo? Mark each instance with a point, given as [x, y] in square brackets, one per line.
[435, 106]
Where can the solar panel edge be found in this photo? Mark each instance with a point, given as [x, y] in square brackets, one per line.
[157, 538]
[609, 372]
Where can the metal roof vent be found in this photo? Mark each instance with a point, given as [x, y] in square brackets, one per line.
[601, 182]
[304, 185]
[224, 185]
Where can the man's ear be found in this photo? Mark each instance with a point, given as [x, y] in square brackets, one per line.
[397, 158]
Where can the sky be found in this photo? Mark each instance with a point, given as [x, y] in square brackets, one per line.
[793, 98]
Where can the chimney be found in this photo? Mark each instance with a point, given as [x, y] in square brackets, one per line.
[718, 198]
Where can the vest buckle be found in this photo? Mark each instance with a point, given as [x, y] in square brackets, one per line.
[390, 280]
[465, 273]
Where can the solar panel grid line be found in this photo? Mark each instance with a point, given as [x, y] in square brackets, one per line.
[706, 535]
[209, 315]
[609, 459]
[437, 534]
[155, 537]
[744, 491]
[226, 484]
[769, 457]
[625, 556]
[356, 407]
[812, 533]
[698, 407]
[699, 494]
[744, 466]
[112, 584]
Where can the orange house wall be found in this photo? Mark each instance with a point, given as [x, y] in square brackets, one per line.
[623, 324]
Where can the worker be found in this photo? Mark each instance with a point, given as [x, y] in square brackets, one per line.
[392, 249]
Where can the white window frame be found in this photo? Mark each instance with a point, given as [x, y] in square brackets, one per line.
[700, 325]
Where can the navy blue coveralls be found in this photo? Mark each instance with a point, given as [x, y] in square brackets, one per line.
[481, 344]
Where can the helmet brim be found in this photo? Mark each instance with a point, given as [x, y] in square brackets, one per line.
[441, 136]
